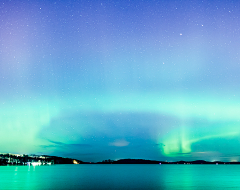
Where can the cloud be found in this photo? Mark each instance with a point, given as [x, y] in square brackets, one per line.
[56, 142]
[160, 144]
[64, 145]
[119, 143]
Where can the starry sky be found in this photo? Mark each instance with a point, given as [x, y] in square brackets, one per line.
[97, 80]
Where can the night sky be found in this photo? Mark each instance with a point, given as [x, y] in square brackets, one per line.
[97, 80]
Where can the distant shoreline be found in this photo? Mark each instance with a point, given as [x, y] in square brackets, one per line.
[142, 161]
[37, 160]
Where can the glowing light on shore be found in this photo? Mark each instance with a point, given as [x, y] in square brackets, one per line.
[75, 162]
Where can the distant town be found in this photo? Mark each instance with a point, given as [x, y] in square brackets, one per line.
[34, 160]
[37, 160]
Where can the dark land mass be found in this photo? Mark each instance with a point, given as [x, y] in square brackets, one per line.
[142, 161]
[17, 159]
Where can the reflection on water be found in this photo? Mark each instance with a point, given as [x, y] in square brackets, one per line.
[120, 177]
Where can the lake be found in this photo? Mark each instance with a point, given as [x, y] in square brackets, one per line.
[113, 176]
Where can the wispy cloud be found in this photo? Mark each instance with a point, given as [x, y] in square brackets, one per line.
[119, 143]
[64, 145]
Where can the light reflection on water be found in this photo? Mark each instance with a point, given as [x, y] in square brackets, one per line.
[120, 177]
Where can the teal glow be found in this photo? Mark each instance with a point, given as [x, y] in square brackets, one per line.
[21, 122]
[180, 142]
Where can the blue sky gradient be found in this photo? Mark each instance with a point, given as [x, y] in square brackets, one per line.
[112, 79]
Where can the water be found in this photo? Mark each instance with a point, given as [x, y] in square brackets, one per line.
[66, 177]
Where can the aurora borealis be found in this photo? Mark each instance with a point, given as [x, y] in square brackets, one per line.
[97, 80]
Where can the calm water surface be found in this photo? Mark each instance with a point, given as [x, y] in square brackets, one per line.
[120, 177]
